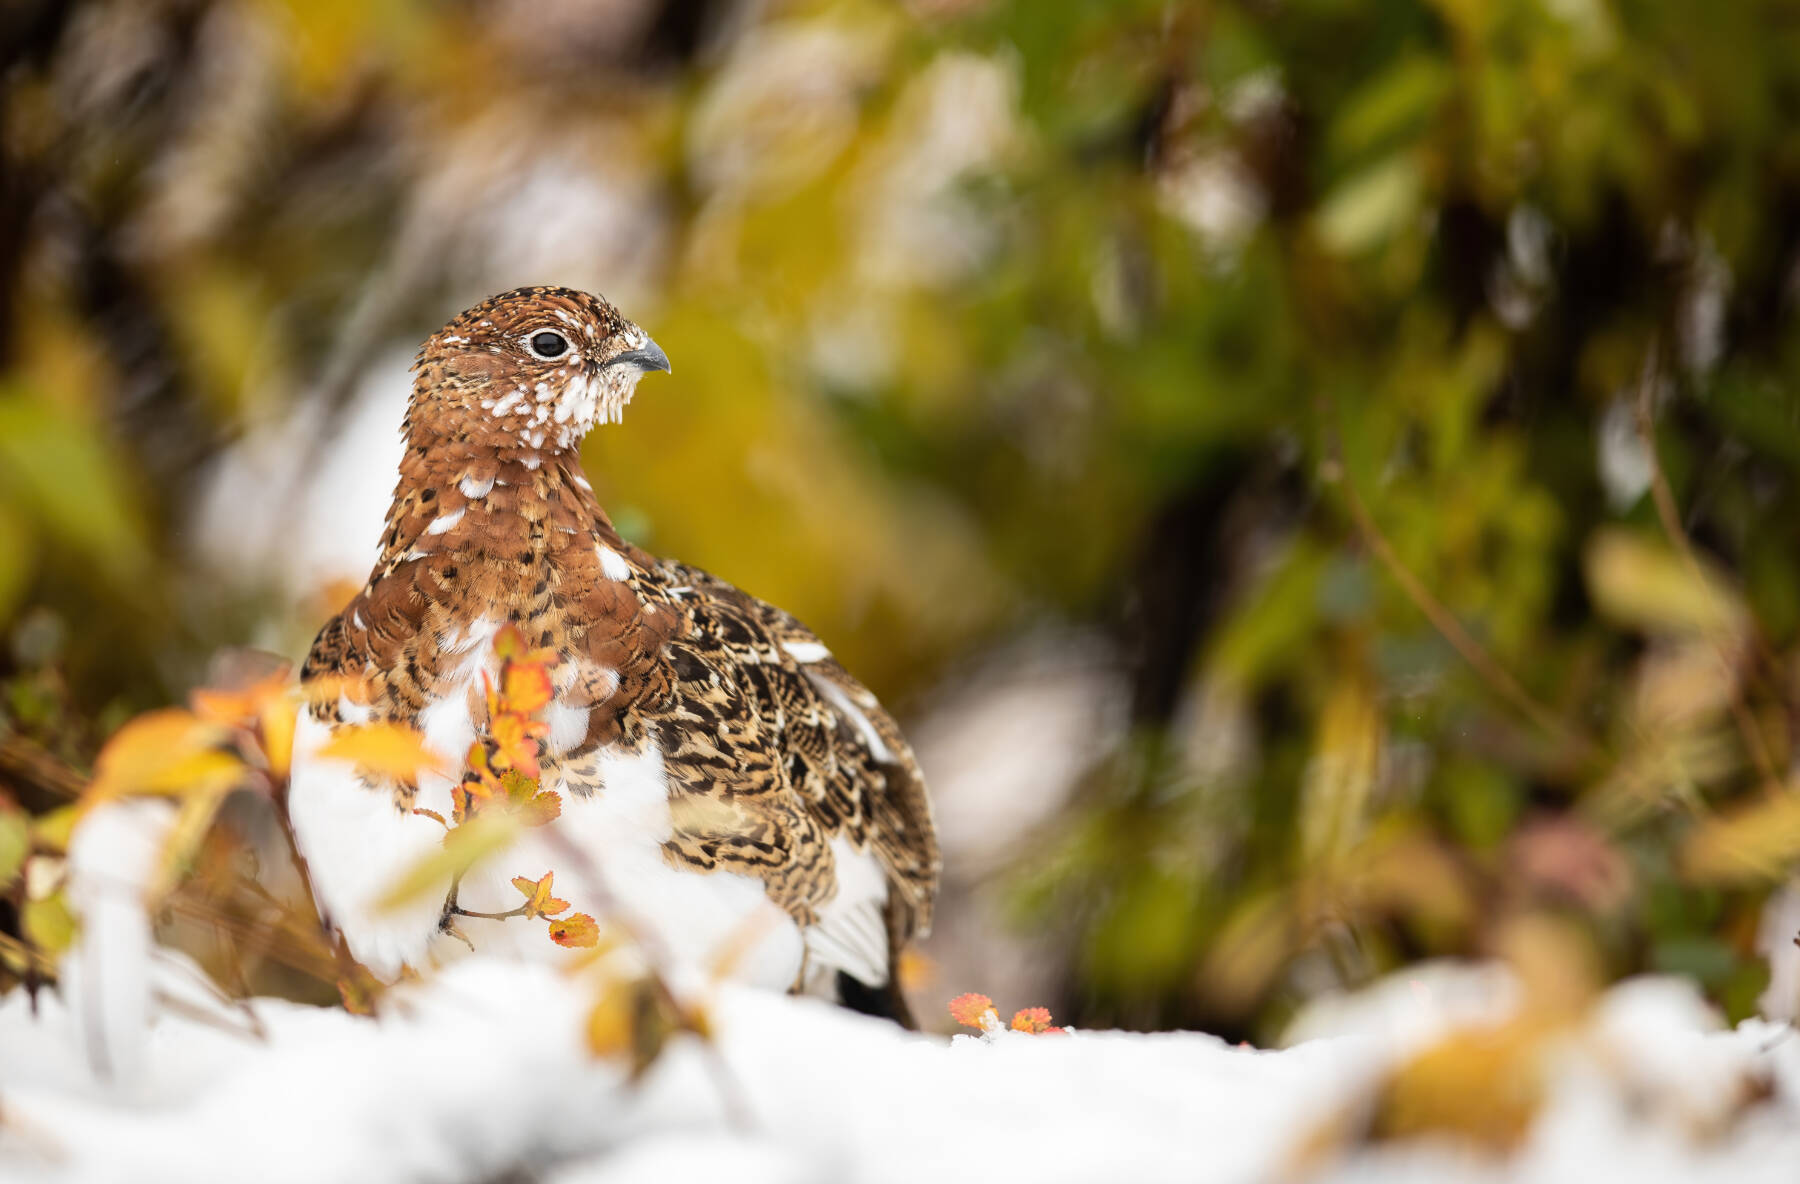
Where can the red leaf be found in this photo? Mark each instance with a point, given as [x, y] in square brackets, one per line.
[1035, 1020]
[969, 1009]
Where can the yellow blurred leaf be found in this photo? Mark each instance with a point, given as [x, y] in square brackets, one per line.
[383, 751]
[1254, 945]
[609, 1024]
[1335, 794]
[15, 841]
[1758, 841]
[1483, 1085]
[1371, 206]
[278, 717]
[1412, 875]
[1555, 961]
[18, 553]
[58, 469]
[51, 832]
[1647, 585]
[48, 924]
[474, 840]
[172, 752]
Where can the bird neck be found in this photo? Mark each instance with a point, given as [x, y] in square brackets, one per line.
[508, 505]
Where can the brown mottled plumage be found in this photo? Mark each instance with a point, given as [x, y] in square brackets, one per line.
[775, 762]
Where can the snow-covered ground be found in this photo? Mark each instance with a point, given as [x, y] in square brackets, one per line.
[483, 1073]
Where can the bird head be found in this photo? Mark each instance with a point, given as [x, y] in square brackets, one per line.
[533, 368]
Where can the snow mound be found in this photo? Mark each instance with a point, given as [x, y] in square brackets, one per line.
[483, 1073]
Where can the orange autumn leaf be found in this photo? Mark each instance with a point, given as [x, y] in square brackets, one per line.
[968, 1010]
[576, 931]
[270, 705]
[516, 742]
[538, 901]
[242, 704]
[384, 751]
[525, 687]
[1035, 1020]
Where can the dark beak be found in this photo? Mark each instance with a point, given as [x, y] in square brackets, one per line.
[649, 357]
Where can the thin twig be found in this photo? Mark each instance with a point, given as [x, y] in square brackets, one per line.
[1486, 667]
[456, 910]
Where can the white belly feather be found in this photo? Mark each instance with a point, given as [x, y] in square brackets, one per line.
[357, 844]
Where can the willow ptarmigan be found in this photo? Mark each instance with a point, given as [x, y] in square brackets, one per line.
[725, 780]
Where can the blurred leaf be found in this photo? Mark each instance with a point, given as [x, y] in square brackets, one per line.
[15, 841]
[1244, 959]
[611, 1021]
[1757, 841]
[48, 924]
[1483, 1085]
[17, 548]
[170, 752]
[54, 469]
[1335, 796]
[1371, 206]
[383, 751]
[526, 687]
[1648, 586]
[52, 831]
[464, 846]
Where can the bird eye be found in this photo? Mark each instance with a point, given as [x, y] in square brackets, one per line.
[548, 345]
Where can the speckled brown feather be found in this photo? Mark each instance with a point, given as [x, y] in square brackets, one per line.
[767, 757]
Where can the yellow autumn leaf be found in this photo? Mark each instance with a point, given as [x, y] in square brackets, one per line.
[15, 840]
[169, 752]
[1648, 585]
[383, 751]
[1482, 1084]
[538, 901]
[277, 715]
[577, 931]
[464, 846]
[1758, 841]
[52, 831]
[48, 923]
[609, 1024]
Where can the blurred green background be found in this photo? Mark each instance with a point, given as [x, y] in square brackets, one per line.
[1320, 479]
